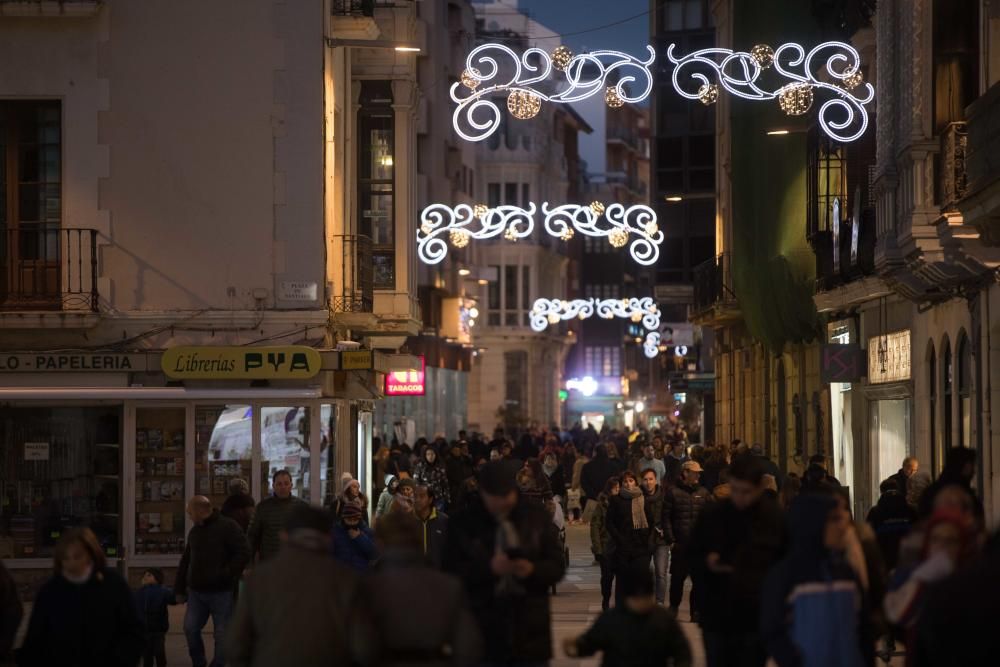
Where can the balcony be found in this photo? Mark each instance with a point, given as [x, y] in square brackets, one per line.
[715, 300]
[48, 269]
[981, 206]
[353, 275]
[953, 180]
[355, 19]
[354, 7]
[623, 135]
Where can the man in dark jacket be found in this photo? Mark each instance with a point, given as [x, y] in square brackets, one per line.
[661, 551]
[239, 504]
[891, 520]
[770, 467]
[909, 468]
[674, 462]
[433, 525]
[682, 503]
[270, 516]
[959, 470]
[596, 473]
[507, 553]
[10, 613]
[300, 607]
[733, 545]
[213, 560]
[444, 633]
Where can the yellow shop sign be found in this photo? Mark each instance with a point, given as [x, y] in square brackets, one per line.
[290, 362]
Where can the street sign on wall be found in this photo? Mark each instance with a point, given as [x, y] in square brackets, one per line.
[841, 363]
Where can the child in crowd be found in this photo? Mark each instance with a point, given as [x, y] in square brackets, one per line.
[573, 506]
[151, 601]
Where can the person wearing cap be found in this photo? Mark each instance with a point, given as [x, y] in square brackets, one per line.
[507, 553]
[353, 542]
[300, 607]
[682, 503]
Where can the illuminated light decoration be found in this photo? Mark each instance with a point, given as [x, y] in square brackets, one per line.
[680, 351]
[585, 385]
[843, 117]
[479, 210]
[853, 81]
[561, 57]
[459, 238]
[651, 347]
[795, 99]
[523, 104]
[708, 94]
[471, 78]
[477, 115]
[612, 98]
[619, 224]
[551, 311]
[763, 55]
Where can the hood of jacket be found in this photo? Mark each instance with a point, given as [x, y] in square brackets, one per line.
[807, 522]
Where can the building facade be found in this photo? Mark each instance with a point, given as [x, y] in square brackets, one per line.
[206, 260]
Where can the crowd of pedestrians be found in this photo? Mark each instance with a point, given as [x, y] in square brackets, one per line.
[456, 561]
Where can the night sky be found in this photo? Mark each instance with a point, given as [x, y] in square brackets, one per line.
[565, 16]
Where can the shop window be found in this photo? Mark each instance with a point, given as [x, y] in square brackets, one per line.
[223, 440]
[159, 480]
[61, 468]
[964, 391]
[826, 184]
[330, 480]
[946, 378]
[284, 444]
[376, 173]
[30, 201]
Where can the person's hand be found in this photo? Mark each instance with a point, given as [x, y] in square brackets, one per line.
[569, 647]
[523, 568]
[353, 533]
[501, 565]
[716, 565]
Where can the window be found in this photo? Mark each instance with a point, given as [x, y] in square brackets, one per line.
[964, 391]
[526, 295]
[602, 361]
[525, 195]
[375, 180]
[511, 318]
[515, 378]
[62, 468]
[223, 442]
[937, 456]
[284, 445]
[827, 184]
[493, 195]
[30, 202]
[682, 15]
[510, 194]
[493, 299]
[159, 480]
[946, 377]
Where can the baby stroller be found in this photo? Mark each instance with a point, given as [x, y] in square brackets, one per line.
[559, 519]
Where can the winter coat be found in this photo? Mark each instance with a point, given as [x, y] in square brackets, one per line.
[151, 604]
[458, 469]
[581, 461]
[749, 541]
[384, 503]
[681, 506]
[87, 625]
[636, 640]
[265, 528]
[434, 477]
[10, 613]
[515, 626]
[891, 519]
[360, 502]
[357, 553]
[557, 482]
[770, 468]
[813, 611]
[214, 556]
[597, 473]
[599, 537]
[443, 633]
[298, 608]
[629, 543]
[655, 501]
[674, 467]
[239, 508]
[435, 531]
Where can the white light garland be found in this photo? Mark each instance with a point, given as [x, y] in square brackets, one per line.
[586, 74]
[740, 73]
[440, 222]
[651, 346]
[551, 311]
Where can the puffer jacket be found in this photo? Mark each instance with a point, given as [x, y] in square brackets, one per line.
[599, 537]
[681, 506]
[434, 477]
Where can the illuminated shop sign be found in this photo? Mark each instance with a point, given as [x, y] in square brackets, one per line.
[406, 383]
[889, 357]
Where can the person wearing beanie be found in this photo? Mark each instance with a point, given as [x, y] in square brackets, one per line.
[265, 527]
[385, 500]
[638, 633]
[353, 541]
[350, 494]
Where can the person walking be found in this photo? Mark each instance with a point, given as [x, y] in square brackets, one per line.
[638, 633]
[507, 553]
[648, 460]
[433, 526]
[891, 519]
[600, 540]
[682, 503]
[151, 602]
[630, 524]
[11, 612]
[674, 462]
[594, 475]
[385, 500]
[239, 504]
[301, 606]
[910, 466]
[429, 471]
[813, 612]
[733, 545]
[353, 542]
[214, 558]
[661, 552]
[554, 473]
[84, 614]
[770, 467]
[351, 495]
[444, 633]
[270, 516]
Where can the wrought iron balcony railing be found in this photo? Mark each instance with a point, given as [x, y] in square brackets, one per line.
[354, 284]
[713, 283]
[48, 268]
[953, 176]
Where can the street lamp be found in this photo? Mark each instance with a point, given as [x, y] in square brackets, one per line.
[401, 47]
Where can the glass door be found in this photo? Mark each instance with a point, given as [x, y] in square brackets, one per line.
[160, 495]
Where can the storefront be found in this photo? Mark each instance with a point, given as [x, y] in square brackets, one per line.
[890, 406]
[119, 442]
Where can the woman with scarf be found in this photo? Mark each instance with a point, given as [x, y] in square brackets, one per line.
[629, 524]
[554, 473]
[430, 472]
[533, 483]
